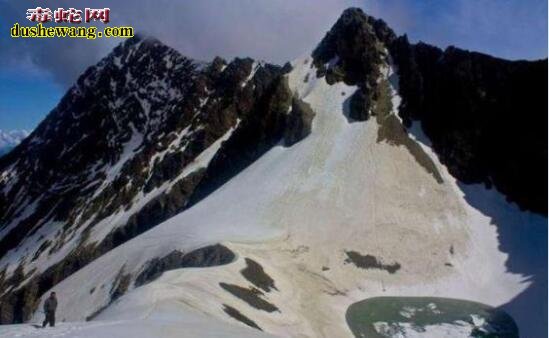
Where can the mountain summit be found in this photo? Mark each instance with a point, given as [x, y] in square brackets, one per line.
[371, 168]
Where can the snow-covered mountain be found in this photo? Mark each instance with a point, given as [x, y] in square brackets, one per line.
[9, 139]
[163, 196]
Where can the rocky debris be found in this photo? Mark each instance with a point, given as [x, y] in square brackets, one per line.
[120, 285]
[234, 313]
[251, 296]
[213, 255]
[255, 274]
[393, 132]
[369, 262]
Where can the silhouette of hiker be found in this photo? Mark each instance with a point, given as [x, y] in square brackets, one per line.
[50, 305]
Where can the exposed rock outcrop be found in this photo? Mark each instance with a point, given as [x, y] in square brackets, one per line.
[213, 255]
[298, 123]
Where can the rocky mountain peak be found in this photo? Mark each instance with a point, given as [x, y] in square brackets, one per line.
[353, 49]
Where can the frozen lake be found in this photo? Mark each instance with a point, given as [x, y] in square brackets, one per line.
[428, 317]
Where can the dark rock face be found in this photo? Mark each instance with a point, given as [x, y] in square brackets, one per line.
[359, 107]
[298, 123]
[352, 50]
[486, 117]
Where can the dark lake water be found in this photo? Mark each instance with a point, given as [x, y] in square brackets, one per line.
[428, 317]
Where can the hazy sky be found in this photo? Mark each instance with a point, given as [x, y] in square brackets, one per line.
[34, 73]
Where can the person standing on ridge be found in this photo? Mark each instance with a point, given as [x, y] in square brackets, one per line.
[50, 305]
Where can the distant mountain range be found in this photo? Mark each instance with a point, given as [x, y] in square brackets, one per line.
[10, 139]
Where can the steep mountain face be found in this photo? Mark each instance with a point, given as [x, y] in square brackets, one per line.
[493, 123]
[309, 186]
[124, 150]
[10, 139]
[469, 104]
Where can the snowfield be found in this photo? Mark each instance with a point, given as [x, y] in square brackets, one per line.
[167, 322]
[298, 212]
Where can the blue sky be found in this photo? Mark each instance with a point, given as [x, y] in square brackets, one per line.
[35, 74]
[25, 98]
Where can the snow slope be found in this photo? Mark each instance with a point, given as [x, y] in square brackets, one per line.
[165, 322]
[297, 211]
